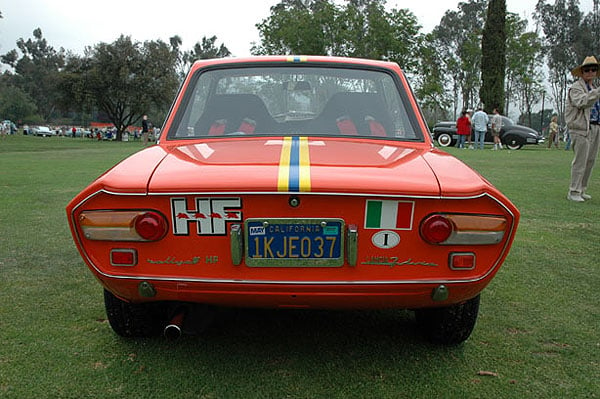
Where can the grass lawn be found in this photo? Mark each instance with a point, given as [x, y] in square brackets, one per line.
[538, 333]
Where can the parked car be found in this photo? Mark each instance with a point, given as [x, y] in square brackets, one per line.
[43, 131]
[292, 182]
[513, 136]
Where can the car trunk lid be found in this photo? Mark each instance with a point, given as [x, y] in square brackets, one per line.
[295, 164]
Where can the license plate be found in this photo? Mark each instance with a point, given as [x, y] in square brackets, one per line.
[294, 242]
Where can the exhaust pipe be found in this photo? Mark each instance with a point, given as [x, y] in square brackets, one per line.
[172, 331]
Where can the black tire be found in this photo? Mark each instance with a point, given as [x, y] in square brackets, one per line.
[513, 143]
[133, 320]
[450, 325]
[444, 139]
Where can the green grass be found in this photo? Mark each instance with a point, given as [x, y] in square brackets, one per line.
[537, 334]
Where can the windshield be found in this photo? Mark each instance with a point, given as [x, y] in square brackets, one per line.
[294, 100]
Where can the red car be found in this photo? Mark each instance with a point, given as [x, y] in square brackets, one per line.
[292, 182]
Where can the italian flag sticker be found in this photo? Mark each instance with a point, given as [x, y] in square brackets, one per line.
[392, 215]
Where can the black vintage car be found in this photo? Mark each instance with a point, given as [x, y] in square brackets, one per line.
[513, 136]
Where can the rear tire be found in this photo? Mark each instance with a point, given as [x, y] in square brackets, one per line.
[133, 320]
[513, 143]
[450, 325]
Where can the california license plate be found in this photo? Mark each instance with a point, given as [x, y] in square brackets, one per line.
[294, 242]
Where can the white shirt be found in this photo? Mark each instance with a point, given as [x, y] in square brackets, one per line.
[480, 121]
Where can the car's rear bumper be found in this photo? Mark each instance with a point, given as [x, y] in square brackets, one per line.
[286, 295]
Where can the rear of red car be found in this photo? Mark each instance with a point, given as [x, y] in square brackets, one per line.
[326, 193]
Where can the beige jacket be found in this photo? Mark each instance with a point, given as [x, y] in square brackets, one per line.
[579, 104]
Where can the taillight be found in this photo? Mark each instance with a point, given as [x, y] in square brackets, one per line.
[456, 229]
[151, 226]
[436, 229]
[123, 225]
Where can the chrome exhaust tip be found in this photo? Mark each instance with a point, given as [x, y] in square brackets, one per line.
[172, 331]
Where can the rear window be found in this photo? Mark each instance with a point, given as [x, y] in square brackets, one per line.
[294, 100]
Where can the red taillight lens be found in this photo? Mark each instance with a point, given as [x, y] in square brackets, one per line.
[151, 226]
[436, 229]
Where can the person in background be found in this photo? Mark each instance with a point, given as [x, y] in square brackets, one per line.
[567, 138]
[3, 130]
[553, 135]
[582, 113]
[145, 130]
[496, 128]
[479, 121]
[469, 137]
[463, 128]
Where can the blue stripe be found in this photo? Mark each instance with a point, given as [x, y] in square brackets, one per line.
[294, 181]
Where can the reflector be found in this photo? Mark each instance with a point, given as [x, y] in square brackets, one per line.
[462, 261]
[123, 257]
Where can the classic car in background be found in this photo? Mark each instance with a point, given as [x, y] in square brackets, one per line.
[43, 131]
[292, 182]
[513, 136]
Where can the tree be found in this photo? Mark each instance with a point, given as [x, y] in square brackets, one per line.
[458, 40]
[493, 56]
[307, 27]
[369, 31]
[125, 79]
[590, 31]
[361, 28]
[15, 104]
[205, 50]
[430, 91]
[563, 46]
[36, 71]
[524, 81]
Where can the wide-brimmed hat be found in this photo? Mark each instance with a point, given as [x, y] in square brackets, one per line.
[589, 61]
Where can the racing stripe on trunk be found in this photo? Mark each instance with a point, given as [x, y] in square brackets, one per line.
[294, 165]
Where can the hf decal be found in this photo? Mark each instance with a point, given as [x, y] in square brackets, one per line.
[210, 215]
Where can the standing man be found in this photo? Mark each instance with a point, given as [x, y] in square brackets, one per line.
[496, 128]
[582, 114]
[145, 130]
[480, 121]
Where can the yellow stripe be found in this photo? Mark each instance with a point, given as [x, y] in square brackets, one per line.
[284, 165]
[304, 165]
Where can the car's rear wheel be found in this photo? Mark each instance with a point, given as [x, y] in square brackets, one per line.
[133, 320]
[449, 325]
[513, 143]
[444, 139]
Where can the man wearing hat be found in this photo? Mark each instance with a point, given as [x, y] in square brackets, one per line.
[582, 115]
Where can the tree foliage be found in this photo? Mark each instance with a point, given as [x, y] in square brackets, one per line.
[204, 50]
[125, 79]
[308, 27]
[493, 56]
[458, 39]
[563, 44]
[15, 104]
[360, 28]
[37, 66]
[524, 83]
